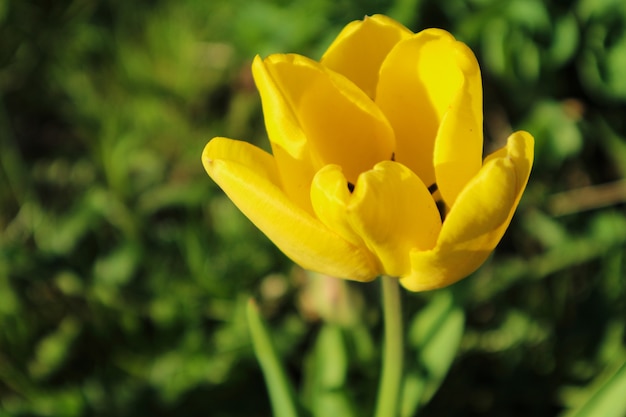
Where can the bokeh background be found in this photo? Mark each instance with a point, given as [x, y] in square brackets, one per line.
[125, 272]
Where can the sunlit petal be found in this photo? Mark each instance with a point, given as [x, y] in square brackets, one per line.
[392, 210]
[330, 196]
[352, 132]
[477, 220]
[419, 81]
[361, 47]
[248, 177]
[459, 142]
[290, 146]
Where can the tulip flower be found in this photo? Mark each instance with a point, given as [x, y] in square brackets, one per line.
[377, 159]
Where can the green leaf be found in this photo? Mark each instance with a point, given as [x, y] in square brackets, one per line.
[565, 40]
[279, 387]
[117, 268]
[435, 333]
[55, 348]
[328, 371]
[557, 131]
[606, 396]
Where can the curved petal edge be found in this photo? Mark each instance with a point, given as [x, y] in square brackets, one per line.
[247, 175]
[478, 219]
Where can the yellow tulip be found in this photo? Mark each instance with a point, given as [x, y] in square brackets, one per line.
[376, 164]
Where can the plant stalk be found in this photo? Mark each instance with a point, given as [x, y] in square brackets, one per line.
[388, 402]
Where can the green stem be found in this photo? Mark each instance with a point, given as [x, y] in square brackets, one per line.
[391, 378]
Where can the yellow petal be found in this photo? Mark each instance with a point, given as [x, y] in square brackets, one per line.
[248, 177]
[289, 143]
[419, 80]
[392, 210]
[360, 48]
[295, 175]
[330, 196]
[520, 149]
[459, 141]
[240, 153]
[337, 123]
[477, 220]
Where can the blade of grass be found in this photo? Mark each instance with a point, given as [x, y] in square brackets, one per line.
[279, 387]
[607, 400]
[435, 335]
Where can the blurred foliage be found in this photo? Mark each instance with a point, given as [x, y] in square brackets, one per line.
[125, 272]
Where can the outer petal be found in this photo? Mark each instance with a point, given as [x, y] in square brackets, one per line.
[392, 210]
[248, 177]
[419, 81]
[361, 47]
[477, 220]
[459, 142]
[296, 93]
[289, 143]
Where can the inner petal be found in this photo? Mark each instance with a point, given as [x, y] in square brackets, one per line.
[394, 213]
[330, 196]
[340, 122]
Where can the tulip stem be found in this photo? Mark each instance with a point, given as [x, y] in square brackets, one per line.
[391, 376]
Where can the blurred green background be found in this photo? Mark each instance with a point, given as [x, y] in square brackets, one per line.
[124, 271]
